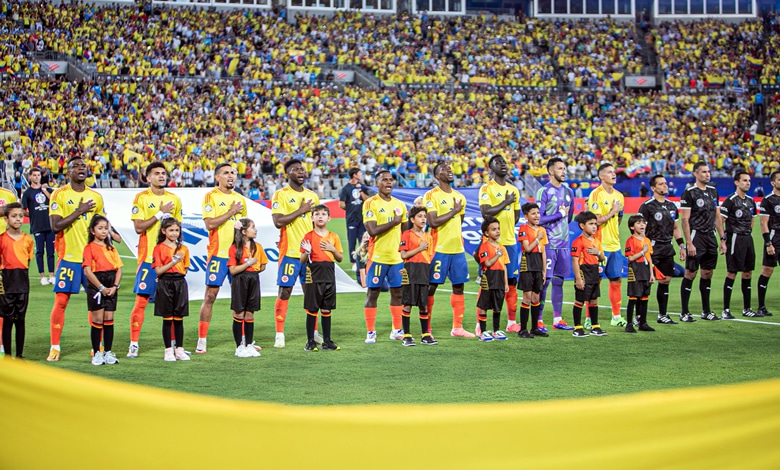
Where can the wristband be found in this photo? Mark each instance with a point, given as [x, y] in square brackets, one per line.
[117, 286]
[680, 241]
[723, 238]
[766, 238]
[159, 215]
[101, 288]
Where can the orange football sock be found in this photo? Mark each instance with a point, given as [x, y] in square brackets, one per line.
[203, 330]
[370, 314]
[615, 298]
[430, 310]
[511, 303]
[137, 317]
[280, 314]
[1, 329]
[57, 319]
[458, 304]
[395, 312]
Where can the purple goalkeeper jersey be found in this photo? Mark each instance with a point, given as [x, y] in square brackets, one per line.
[550, 199]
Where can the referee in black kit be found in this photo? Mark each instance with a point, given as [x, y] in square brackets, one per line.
[738, 212]
[770, 230]
[699, 216]
[661, 215]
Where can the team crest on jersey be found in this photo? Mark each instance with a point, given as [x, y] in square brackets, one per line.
[142, 285]
[429, 204]
[275, 205]
[212, 277]
[375, 280]
[40, 198]
[738, 213]
[777, 209]
[355, 193]
[551, 192]
[135, 210]
[436, 276]
[285, 278]
[658, 216]
[484, 196]
[370, 214]
[700, 202]
[595, 206]
[208, 208]
[61, 284]
[55, 206]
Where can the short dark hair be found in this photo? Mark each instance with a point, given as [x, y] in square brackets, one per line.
[551, 162]
[654, 179]
[436, 168]
[604, 166]
[738, 175]
[320, 208]
[494, 158]
[416, 210]
[221, 166]
[290, 163]
[353, 171]
[528, 206]
[73, 159]
[487, 222]
[13, 205]
[634, 219]
[698, 165]
[376, 175]
[584, 217]
[34, 169]
[154, 165]
[773, 174]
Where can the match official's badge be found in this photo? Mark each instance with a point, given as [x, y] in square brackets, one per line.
[658, 216]
[738, 213]
[777, 209]
[700, 202]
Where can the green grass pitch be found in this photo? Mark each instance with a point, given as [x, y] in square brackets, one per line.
[456, 371]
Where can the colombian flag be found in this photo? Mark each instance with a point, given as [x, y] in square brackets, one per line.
[754, 63]
[716, 82]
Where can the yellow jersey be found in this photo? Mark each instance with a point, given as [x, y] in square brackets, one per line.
[6, 197]
[215, 204]
[448, 237]
[286, 201]
[600, 202]
[384, 248]
[145, 205]
[493, 194]
[70, 243]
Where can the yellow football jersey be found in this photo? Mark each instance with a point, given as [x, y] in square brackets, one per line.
[69, 243]
[600, 203]
[447, 238]
[6, 197]
[145, 205]
[286, 201]
[384, 248]
[215, 204]
[493, 194]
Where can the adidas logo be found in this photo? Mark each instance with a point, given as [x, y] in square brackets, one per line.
[381, 211]
[222, 204]
[70, 201]
[292, 201]
[151, 206]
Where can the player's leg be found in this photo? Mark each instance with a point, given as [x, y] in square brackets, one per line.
[49, 240]
[458, 273]
[369, 312]
[748, 265]
[692, 264]
[19, 325]
[513, 274]
[551, 255]
[40, 248]
[438, 274]
[763, 283]
[593, 310]
[396, 275]
[632, 304]
[525, 310]
[205, 318]
[238, 329]
[614, 272]
[144, 288]
[561, 270]
[728, 288]
[536, 306]
[67, 282]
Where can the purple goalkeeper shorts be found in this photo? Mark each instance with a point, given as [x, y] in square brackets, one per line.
[558, 262]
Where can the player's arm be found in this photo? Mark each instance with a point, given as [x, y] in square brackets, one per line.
[685, 223]
[438, 220]
[93, 279]
[604, 218]
[240, 268]
[343, 198]
[494, 210]
[333, 247]
[542, 199]
[764, 221]
[375, 229]
[544, 264]
[631, 252]
[579, 283]
[282, 220]
[719, 226]
[493, 259]
[59, 223]
[213, 223]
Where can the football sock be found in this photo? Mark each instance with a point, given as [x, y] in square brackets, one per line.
[482, 320]
[249, 330]
[496, 320]
[763, 282]
[326, 325]
[280, 314]
[57, 320]
[108, 334]
[178, 331]
[395, 312]
[370, 314]
[203, 330]
[20, 329]
[511, 303]
[641, 309]
[406, 321]
[746, 293]
[2, 337]
[525, 312]
[685, 294]
[95, 331]
[137, 317]
[458, 304]
[594, 314]
[166, 331]
[310, 319]
[728, 287]
[630, 310]
[662, 295]
[536, 308]
[7, 330]
[557, 297]
[615, 298]
[425, 323]
[237, 327]
[704, 289]
[431, 302]
[577, 314]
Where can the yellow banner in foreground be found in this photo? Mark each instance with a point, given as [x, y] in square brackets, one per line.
[60, 419]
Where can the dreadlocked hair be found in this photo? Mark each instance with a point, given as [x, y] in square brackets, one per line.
[96, 219]
[238, 239]
[169, 222]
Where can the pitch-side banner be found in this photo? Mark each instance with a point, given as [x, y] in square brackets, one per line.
[119, 202]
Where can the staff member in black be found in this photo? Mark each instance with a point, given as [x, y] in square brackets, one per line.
[36, 202]
[699, 216]
[661, 215]
[770, 229]
[737, 212]
[351, 200]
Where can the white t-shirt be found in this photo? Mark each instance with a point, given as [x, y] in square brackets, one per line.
[208, 176]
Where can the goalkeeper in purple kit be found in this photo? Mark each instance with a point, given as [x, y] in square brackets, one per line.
[555, 200]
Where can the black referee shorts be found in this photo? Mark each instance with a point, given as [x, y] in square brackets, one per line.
[771, 261]
[663, 258]
[101, 302]
[706, 252]
[740, 253]
[319, 296]
[172, 299]
[245, 292]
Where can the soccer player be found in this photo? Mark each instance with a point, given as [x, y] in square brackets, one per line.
[416, 250]
[661, 216]
[222, 207]
[640, 273]
[586, 254]
[383, 215]
[291, 210]
[607, 203]
[446, 208]
[150, 206]
[555, 200]
[533, 240]
[16, 251]
[71, 211]
[737, 213]
[320, 251]
[501, 200]
[770, 230]
[700, 216]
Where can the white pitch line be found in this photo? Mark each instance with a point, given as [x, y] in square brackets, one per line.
[649, 311]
